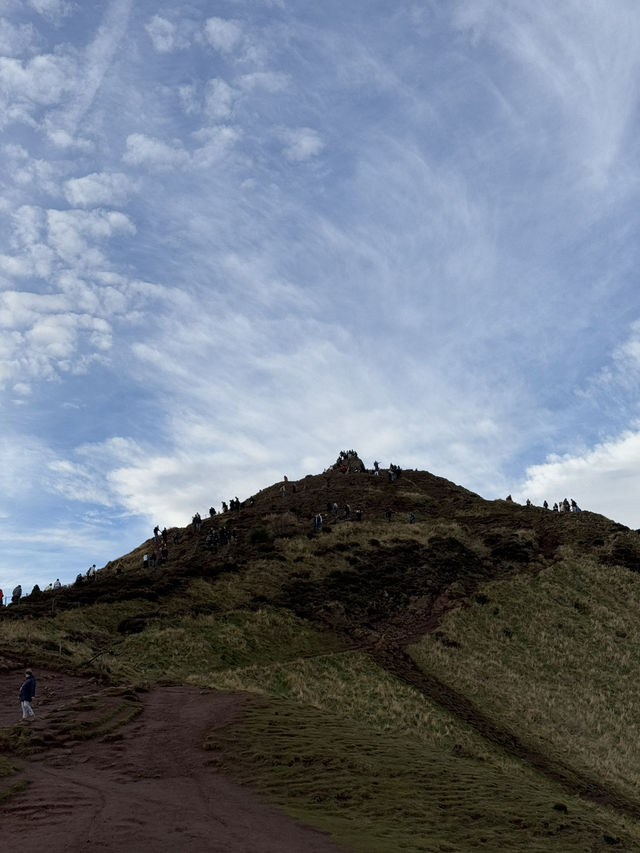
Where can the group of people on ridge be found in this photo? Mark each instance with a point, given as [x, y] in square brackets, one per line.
[562, 506]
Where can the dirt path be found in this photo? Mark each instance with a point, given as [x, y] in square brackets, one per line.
[149, 786]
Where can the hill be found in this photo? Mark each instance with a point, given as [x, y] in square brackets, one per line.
[428, 670]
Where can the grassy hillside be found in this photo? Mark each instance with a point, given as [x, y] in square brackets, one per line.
[463, 682]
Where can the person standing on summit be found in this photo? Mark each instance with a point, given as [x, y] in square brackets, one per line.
[27, 692]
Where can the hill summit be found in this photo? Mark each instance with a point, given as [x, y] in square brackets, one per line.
[389, 545]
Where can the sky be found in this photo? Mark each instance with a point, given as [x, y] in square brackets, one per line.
[239, 237]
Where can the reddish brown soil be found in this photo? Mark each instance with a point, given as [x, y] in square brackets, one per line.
[147, 787]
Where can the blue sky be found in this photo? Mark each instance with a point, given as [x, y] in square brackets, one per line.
[236, 238]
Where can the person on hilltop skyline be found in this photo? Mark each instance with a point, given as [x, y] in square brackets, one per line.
[16, 595]
[27, 692]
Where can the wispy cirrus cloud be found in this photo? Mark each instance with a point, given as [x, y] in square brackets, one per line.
[582, 62]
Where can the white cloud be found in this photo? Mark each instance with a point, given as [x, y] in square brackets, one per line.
[28, 239]
[270, 81]
[189, 99]
[63, 139]
[223, 34]
[39, 173]
[583, 58]
[36, 262]
[22, 459]
[215, 142]
[219, 98]
[15, 152]
[604, 479]
[155, 152]
[302, 143]
[43, 80]
[29, 224]
[69, 233]
[162, 33]
[15, 40]
[88, 70]
[51, 8]
[110, 188]
[76, 483]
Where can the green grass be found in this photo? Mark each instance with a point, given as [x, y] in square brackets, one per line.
[177, 650]
[352, 686]
[382, 729]
[71, 638]
[383, 793]
[555, 658]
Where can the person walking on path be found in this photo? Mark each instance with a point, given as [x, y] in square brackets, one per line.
[27, 692]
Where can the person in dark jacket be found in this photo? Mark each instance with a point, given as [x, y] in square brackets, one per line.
[27, 692]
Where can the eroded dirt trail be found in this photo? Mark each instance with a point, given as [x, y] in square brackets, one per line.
[147, 787]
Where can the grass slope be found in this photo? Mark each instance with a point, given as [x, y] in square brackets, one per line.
[555, 659]
[382, 793]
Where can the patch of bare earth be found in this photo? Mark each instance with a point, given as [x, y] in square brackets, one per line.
[149, 785]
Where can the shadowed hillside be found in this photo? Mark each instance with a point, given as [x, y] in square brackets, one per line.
[420, 626]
